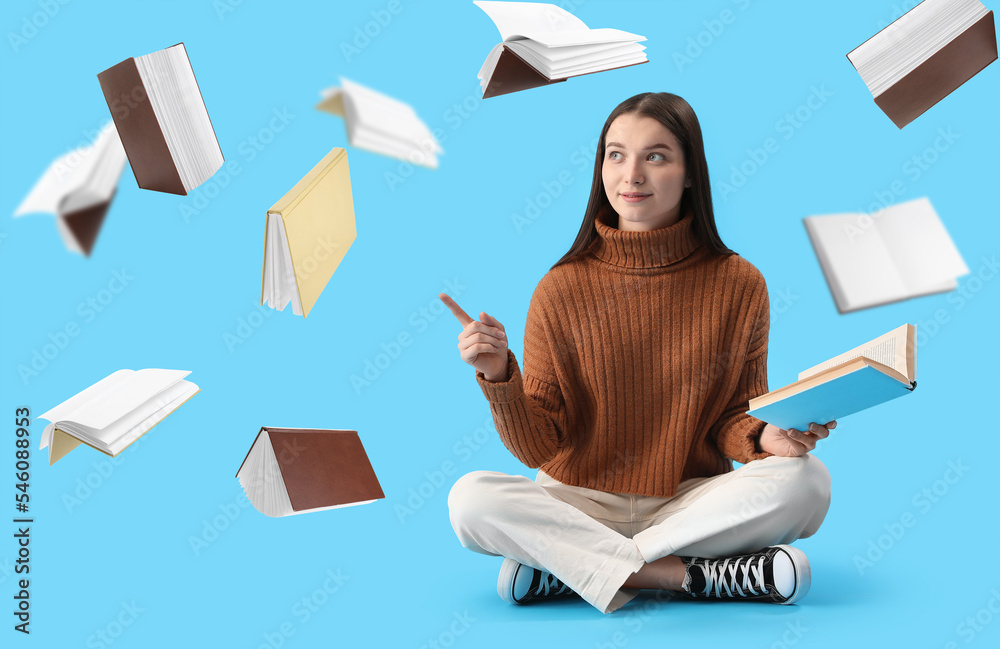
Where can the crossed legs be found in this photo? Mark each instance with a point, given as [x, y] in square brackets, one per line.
[605, 545]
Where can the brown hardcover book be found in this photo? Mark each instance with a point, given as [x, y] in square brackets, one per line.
[296, 470]
[912, 94]
[78, 189]
[159, 113]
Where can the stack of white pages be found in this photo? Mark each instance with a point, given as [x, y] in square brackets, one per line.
[896, 253]
[115, 411]
[381, 124]
[544, 43]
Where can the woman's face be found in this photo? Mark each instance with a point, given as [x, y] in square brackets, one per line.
[643, 173]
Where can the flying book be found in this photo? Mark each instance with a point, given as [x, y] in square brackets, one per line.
[115, 411]
[78, 188]
[381, 124]
[923, 56]
[545, 44]
[297, 470]
[896, 253]
[307, 234]
[876, 372]
[162, 120]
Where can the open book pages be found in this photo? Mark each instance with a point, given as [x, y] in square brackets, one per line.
[896, 253]
[530, 19]
[878, 371]
[558, 63]
[114, 412]
[81, 178]
[382, 124]
[554, 42]
[280, 287]
[901, 47]
[180, 110]
[896, 350]
[262, 481]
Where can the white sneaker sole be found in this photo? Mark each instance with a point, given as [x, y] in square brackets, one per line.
[505, 582]
[803, 574]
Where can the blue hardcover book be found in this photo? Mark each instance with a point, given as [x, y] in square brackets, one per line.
[876, 372]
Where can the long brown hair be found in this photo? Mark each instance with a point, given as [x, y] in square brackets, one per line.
[679, 118]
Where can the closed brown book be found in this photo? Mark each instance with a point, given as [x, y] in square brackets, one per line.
[911, 65]
[296, 470]
[162, 120]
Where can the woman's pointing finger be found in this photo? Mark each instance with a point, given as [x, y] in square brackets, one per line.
[458, 312]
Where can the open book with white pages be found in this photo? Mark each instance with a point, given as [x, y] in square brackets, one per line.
[543, 43]
[115, 411]
[381, 124]
[78, 188]
[880, 370]
[896, 253]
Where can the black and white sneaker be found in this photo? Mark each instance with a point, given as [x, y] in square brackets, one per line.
[520, 584]
[778, 574]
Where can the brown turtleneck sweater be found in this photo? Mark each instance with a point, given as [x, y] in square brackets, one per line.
[640, 356]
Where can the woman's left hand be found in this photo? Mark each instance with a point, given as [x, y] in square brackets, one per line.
[791, 442]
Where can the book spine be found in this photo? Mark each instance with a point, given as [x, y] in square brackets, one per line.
[301, 188]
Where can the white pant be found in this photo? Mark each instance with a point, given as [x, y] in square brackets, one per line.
[593, 540]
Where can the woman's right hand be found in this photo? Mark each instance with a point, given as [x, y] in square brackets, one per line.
[482, 344]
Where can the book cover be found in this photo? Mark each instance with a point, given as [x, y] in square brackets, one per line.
[295, 470]
[317, 219]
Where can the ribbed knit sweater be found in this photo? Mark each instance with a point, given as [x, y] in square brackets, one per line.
[640, 356]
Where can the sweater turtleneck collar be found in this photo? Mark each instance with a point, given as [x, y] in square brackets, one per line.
[652, 249]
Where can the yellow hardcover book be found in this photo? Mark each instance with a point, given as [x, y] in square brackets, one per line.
[307, 234]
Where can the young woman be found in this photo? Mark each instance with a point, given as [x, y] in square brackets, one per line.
[642, 347]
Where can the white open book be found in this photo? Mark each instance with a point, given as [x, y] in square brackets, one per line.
[78, 187]
[381, 124]
[115, 411]
[543, 43]
[899, 252]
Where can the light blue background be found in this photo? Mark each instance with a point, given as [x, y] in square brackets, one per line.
[195, 266]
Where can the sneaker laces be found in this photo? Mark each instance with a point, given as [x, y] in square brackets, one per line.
[548, 583]
[736, 576]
